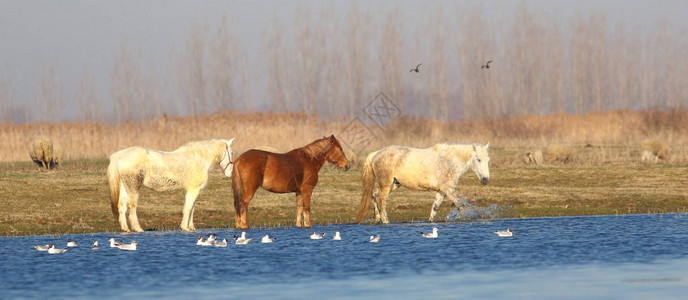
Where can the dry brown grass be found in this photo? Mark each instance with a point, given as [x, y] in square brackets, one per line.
[560, 153]
[657, 148]
[534, 156]
[58, 154]
[609, 137]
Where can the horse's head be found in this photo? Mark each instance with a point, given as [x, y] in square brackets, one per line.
[227, 161]
[481, 162]
[336, 155]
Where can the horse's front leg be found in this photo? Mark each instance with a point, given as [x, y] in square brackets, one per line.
[454, 197]
[307, 208]
[191, 222]
[439, 198]
[133, 218]
[189, 203]
[299, 209]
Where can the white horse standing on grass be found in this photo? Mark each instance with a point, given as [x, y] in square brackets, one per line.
[437, 168]
[187, 168]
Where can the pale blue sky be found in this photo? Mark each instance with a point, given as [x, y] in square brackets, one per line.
[74, 36]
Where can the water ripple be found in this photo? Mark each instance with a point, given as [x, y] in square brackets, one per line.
[640, 251]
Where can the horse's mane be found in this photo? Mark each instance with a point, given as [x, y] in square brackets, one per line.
[205, 148]
[317, 147]
[462, 151]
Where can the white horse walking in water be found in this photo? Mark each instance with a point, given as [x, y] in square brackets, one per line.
[187, 168]
[437, 168]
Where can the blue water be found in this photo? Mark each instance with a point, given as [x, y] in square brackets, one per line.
[601, 257]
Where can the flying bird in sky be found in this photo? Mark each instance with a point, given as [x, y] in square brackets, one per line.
[416, 69]
[486, 65]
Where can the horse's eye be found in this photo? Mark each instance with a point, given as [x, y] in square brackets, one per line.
[479, 160]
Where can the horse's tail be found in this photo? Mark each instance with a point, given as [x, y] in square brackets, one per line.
[114, 184]
[368, 186]
[237, 187]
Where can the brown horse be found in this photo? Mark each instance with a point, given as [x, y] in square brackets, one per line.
[293, 172]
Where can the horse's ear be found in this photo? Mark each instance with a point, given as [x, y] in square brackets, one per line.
[332, 138]
[230, 141]
[474, 147]
[487, 145]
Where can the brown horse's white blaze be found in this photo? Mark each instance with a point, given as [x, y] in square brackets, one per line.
[437, 168]
[185, 168]
[293, 172]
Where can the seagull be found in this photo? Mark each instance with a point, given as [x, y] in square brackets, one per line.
[53, 250]
[41, 248]
[429, 235]
[71, 243]
[374, 239]
[242, 240]
[337, 237]
[507, 232]
[267, 239]
[222, 243]
[486, 65]
[416, 69]
[95, 245]
[315, 236]
[211, 238]
[114, 244]
[130, 247]
[203, 242]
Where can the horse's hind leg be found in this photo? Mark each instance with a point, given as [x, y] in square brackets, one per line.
[384, 192]
[189, 202]
[439, 198]
[237, 213]
[122, 208]
[376, 195]
[133, 218]
[241, 208]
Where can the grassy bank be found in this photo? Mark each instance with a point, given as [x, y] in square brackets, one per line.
[74, 199]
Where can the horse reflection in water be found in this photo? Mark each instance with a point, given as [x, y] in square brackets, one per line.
[293, 172]
[437, 168]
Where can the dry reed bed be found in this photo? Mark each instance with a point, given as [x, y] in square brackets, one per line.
[609, 136]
